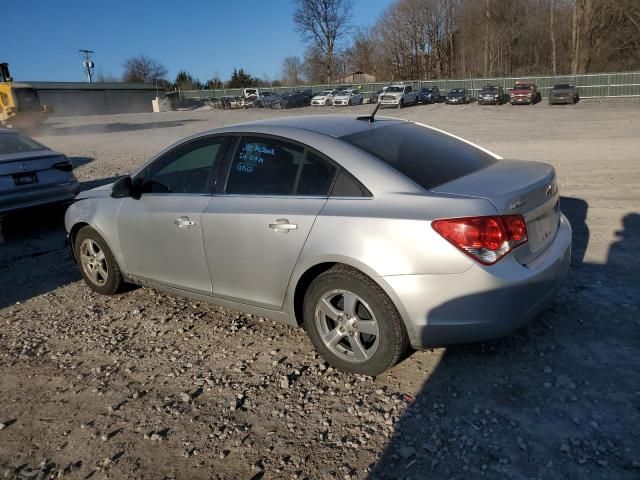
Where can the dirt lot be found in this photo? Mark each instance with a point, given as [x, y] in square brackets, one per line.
[146, 385]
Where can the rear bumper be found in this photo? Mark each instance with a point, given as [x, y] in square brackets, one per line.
[483, 302]
[37, 197]
[560, 101]
[521, 100]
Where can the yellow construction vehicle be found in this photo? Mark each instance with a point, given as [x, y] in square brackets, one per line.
[19, 103]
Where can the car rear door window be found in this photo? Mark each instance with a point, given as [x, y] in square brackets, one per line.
[264, 166]
[316, 176]
[187, 170]
[428, 157]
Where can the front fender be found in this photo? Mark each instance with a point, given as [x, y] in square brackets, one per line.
[101, 214]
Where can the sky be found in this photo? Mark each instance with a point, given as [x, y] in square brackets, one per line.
[41, 38]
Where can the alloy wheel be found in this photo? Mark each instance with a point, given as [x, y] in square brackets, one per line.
[347, 326]
[94, 262]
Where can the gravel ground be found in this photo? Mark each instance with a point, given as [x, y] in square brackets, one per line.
[147, 385]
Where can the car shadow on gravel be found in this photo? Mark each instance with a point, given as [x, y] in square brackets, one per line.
[33, 256]
[558, 399]
[52, 129]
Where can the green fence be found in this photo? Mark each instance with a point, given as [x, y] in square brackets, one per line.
[589, 85]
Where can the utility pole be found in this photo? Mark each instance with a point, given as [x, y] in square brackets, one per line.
[88, 64]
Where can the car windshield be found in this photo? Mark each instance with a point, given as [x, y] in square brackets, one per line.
[523, 87]
[427, 157]
[16, 143]
[562, 86]
[489, 90]
[395, 89]
[427, 90]
[457, 90]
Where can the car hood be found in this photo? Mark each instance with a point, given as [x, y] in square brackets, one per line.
[488, 92]
[102, 191]
[521, 91]
[563, 91]
[455, 94]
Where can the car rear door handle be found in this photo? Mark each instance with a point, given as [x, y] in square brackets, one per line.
[184, 222]
[282, 225]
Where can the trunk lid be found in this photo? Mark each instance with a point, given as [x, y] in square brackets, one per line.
[517, 188]
[31, 170]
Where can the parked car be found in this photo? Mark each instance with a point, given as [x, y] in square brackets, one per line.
[373, 98]
[429, 95]
[268, 218]
[563, 93]
[228, 102]
[348, 97]
[262, 98]
[399, 96]
[491, 95]
[457, 95]
[324, 98]
[32, 174]
[524, 93]
[291, 100]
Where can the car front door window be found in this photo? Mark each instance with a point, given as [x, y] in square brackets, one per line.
[187, 170]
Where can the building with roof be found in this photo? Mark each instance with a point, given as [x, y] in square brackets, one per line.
[100, 98]
[357, 78]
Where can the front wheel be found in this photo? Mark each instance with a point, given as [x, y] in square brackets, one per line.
[97, 264]
[400, 104]
[352, 322]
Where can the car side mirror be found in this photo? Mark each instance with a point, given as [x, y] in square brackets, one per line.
[122, 188]
[127, 187]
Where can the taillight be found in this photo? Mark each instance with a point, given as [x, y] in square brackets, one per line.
[65, 166]
[486, 239]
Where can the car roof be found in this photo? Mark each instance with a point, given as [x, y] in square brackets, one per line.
[331, 125]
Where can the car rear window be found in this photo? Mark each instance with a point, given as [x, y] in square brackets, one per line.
[427, 157]
[16, 143]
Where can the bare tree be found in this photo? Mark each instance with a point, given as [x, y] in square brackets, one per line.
[323, 24]
[291, 70]
[552, 31]
[143, 69]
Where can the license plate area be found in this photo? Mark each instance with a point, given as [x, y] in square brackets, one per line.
[25, 178]
[542, 229]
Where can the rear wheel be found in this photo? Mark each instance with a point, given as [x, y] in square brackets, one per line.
[352, 323]
[97, 264]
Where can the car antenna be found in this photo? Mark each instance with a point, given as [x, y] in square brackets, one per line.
[369, 118]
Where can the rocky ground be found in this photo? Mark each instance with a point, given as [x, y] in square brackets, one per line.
[147, 385]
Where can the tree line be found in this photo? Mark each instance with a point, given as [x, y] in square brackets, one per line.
[424, 39]
[415, 39]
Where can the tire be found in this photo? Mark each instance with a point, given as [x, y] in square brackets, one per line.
[349, 103]
[107, 277]
[373, 311]
[400, 104]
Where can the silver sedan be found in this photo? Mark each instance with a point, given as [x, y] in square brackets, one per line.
[32, 174]
[376, 236]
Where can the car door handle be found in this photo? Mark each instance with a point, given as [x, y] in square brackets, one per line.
[282, 225]
[184, 222]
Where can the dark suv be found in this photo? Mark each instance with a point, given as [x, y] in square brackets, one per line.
[563, 93]
[429, 95]
[491, 95]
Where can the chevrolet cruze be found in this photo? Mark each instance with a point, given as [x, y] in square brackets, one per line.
[374, 235]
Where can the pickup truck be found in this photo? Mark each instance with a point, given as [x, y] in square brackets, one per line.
[399, 96]
[524, 93]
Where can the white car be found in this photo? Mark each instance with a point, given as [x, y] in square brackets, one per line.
[325, 98]
[348, 97]
[399, 96]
